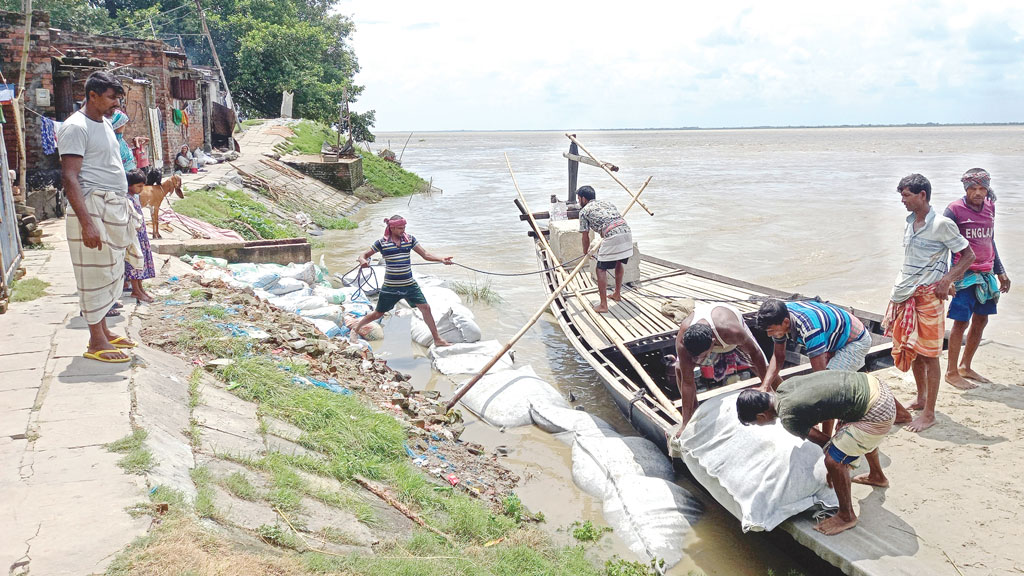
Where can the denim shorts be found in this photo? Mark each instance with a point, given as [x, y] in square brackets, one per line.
[965, 304]
[390, 295]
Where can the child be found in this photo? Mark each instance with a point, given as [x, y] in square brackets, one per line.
[139, 150]
[136, 180]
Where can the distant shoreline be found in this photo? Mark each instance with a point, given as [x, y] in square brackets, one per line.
[701, 129]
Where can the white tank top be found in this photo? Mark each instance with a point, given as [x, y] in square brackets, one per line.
[702, 311]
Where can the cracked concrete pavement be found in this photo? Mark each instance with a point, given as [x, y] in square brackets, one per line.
[63, 510]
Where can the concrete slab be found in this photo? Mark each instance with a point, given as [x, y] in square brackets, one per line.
[289, 448]
[23, 345]
[78, 366]
[14, 423]
[244, 513]
[219, 442]
[23, 361]
[69, 465]
[11, 453]
[174, 460]
[19, 399]
[21, 379]
[69, 403]
[78, 432]
[317, 516]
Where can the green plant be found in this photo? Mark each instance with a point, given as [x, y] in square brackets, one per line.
[474, 292]
[513, 507]
[137, 458]
[619, 567]
[204, 503]
[278, 536]
[587, 532]
[236, 210]
[238, 484]
[28, 289]
[328, 223]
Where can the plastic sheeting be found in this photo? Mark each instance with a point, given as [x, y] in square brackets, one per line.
[762, 474]
[504, 398]
[597, 462]
[469, 358]
[285, 285]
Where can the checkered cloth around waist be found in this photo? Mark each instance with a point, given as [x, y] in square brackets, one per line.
[880, 416]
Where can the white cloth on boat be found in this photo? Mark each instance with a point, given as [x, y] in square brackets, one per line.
[615, 248]
[456, 326]
[597, 462]
[505, 398]
[761, 474]
[652, 516]
[469, 358]
[99, 273]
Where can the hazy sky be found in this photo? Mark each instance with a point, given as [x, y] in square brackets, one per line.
[453, 65]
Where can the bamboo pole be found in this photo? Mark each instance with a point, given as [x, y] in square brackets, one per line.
[19, 101]
[596, 318]
[533, 319]
[607, 171]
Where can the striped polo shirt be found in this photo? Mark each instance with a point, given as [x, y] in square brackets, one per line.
[397, 260]
[819, 326]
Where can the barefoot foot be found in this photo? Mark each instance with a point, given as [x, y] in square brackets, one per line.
[835, 525]
[968, 373]
[958, 381]
[921, 423]
[616, 296]
[918, 404]
[902, 414]
[142, 297]
[601, 308]
[871, 480]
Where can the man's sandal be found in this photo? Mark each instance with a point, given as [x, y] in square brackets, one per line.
[123, 342]
[101, 356]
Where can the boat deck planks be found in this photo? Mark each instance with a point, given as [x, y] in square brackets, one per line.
[638, 315]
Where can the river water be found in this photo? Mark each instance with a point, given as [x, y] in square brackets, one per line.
[813, 211]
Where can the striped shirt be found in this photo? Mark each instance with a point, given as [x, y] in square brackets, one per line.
[820, 327]
[397, 260]
[926, 253]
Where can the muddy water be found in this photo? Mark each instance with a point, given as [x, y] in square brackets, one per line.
[813, 211]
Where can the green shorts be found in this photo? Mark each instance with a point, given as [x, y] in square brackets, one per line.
[390, 295]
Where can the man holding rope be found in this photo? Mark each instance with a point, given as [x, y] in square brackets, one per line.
[396, 247]
[602, 217]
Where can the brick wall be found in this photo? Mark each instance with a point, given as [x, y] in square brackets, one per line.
[346, 174]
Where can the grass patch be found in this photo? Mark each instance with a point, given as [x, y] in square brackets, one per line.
[328, 223]
[476, 291]
[234, 209]
[28, 289]
[137, 458]
[309, 138]
[619, 567]
[238, 484]
[205, 336]
[205, 507]
[194, 380]
[278, 536]
[244, 124]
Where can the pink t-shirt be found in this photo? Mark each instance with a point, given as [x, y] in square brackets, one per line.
[978, 227]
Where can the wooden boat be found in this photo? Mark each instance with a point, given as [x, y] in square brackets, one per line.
[637, 326]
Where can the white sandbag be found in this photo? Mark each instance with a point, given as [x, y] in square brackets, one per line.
[296, 301]
[558, 420]
[358, 309]
[257, 279]
[504, 398]
[334, 295]
[242, 268]
[370, 331]
[652, 516]
[440, 299]
[285, 285]
[456, 326]
[469, 358]
[305, 272]
[761, 474]
[597, 462]
[326, 327]
[331, 312]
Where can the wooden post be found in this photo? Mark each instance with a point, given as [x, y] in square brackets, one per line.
[609, 172]
[19, 101]
[540, 312]
[213, 50]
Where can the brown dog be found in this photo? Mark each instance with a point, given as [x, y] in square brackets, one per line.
[153, 196]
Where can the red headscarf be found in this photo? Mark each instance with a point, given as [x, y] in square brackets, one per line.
[395, 222]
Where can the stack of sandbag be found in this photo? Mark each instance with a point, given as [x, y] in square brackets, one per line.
[761, 474]
[630, 475]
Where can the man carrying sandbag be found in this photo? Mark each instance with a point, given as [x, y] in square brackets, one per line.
[864, 405]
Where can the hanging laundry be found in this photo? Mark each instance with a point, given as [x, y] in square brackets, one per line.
[184, 118]
[49, 135]
[176, 116]
[157, 141]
